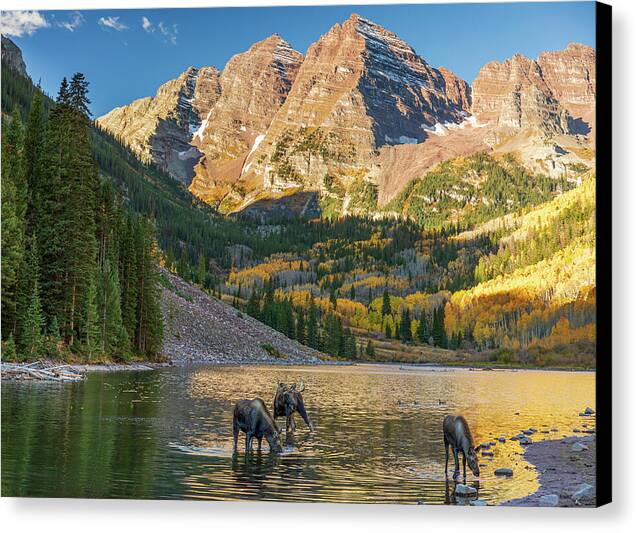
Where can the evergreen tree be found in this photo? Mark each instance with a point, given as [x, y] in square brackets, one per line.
[201, 270]
[253, 305]
[13, 209]
[369, 350]
[149, 332]
[34, 143]
[312, 325]
[113, 335]
[31, 327]
[386, 308]
[405, 325]
[300, 327]
[422, 332]
[90, 326]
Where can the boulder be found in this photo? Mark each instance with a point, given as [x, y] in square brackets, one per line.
[583, 491]
[579, 447]
[549, 500]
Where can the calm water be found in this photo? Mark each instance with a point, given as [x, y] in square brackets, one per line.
[168, 434]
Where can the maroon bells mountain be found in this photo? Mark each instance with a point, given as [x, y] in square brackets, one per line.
[361, 111]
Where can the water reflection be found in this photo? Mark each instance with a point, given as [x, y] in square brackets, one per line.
[378, 438]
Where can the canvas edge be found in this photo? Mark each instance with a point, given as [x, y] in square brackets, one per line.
[603, 141]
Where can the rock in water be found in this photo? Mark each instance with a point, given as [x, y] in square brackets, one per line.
[465, 490]
[589, 411]
[549, 500]
[478, 503]
[503, 472]
[579, 447]
[583, 491]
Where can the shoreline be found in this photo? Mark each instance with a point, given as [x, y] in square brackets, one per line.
[139, 366]
[567, 477]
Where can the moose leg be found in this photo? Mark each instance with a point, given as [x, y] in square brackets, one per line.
[259, 445]
[456, 471]
[248, 442]
[464, 466]
[446, 457]
[235, 433]
[301, 409]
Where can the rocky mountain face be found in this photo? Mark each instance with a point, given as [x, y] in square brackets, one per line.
[360, 112]
[254, 85]
[549, 94]
[12, 56]
[160, 128]
[542, 109]
[359, 88]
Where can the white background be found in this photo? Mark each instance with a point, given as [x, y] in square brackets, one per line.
[101, 516]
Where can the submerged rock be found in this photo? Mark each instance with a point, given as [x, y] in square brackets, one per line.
[503, 472]
[478, 503]
[465, 490]
[579, 447]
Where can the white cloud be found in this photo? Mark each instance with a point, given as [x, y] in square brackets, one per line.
[169, 32]
[147, 25]
[17, 23]
[76, 20]
[112, 22]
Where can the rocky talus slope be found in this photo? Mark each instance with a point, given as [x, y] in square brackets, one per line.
[200, 328]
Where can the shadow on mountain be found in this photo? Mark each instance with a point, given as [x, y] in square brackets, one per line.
[578, 127]
[301, 204]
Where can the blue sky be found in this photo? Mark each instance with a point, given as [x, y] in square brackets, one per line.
[126, 58]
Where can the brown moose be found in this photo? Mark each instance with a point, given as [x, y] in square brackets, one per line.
[456, 434]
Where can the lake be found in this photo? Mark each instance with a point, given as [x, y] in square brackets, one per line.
[168, 433]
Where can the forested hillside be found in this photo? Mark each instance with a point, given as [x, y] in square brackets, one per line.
[519, 287]
[79, 273]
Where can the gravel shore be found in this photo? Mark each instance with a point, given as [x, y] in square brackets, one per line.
[567, 473]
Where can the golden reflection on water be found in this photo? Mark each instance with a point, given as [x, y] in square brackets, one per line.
[378, 431]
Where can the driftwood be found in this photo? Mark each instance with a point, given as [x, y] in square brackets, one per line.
[39, 370]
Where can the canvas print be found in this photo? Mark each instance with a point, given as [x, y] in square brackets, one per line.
[306, 254]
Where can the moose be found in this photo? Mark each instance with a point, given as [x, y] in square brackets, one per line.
[456, 434]
[253, 418]
[287, 401]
